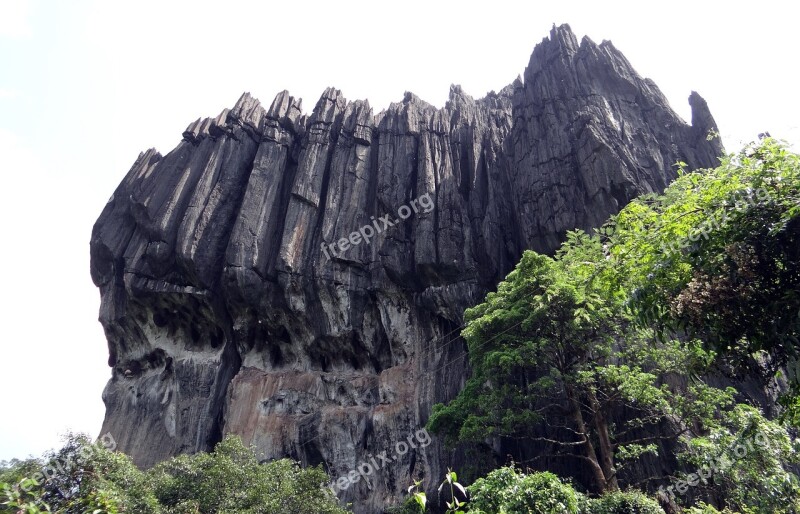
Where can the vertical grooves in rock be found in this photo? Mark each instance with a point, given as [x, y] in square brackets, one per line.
[326, 177]
[223, 315]
[288, 178]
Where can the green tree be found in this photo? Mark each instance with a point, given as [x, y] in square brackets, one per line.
[747, 463]
[22, 498]
[717, 256]
[554, 355]
[619, 502]
[506, 491]
[84, 477]
[232, 480]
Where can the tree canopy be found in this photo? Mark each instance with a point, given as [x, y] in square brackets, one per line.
[606, 352]
[90, 478]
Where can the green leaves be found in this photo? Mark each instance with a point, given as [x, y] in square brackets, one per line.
[456, 501]
[230, 479]
[716, 254]
[632, 318]
[623, 502]
[555, 342]
[22, 497]
[747, 458]
[507, 491]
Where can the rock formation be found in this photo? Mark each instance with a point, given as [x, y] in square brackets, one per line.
[224, 314]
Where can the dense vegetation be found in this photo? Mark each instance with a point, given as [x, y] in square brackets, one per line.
[604, 357]
[614, 374]
[86, 477]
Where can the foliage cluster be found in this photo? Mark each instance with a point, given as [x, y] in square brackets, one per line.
[608, 354]
[230, 479]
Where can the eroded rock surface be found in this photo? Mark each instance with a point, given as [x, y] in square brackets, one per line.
[224, 315]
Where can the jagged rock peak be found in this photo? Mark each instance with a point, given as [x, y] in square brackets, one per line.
[703, 122]
[297, 278]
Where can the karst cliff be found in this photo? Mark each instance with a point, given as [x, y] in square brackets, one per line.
[227, 311]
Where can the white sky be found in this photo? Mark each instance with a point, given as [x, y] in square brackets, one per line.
[86, 85]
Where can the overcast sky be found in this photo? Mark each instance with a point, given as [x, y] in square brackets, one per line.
[85, 86]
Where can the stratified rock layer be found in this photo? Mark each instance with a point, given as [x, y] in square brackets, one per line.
[224, 314]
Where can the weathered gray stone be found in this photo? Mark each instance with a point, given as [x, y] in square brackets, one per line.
[224, 315]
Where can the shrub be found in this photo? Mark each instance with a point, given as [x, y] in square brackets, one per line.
[84, 477]
[231, 479]
[628, 502]
[507, 491]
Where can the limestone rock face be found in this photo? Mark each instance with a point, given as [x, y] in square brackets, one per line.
[227, 310]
